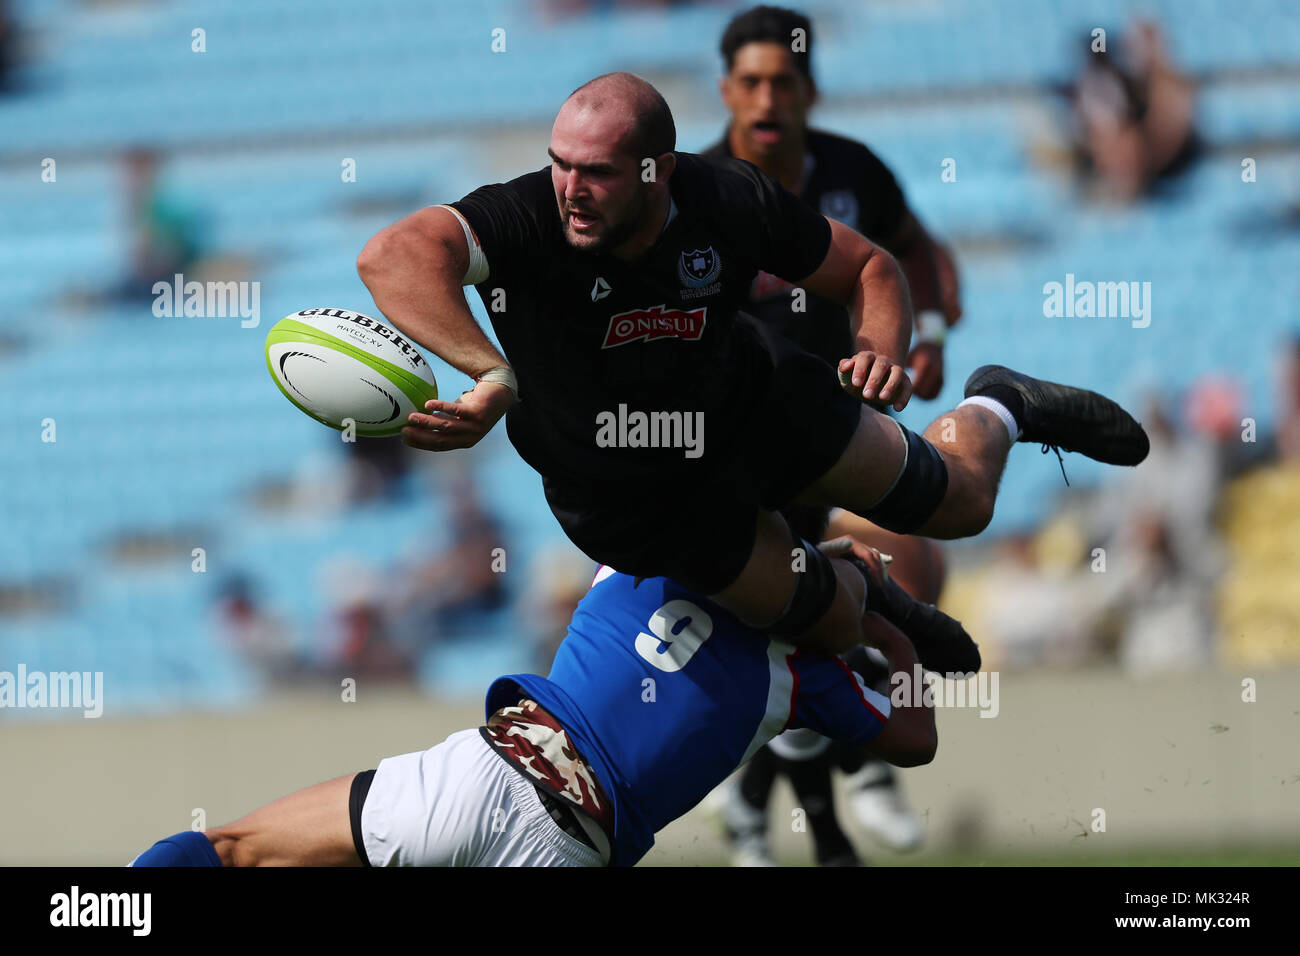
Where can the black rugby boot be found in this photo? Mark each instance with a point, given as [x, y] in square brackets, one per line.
[1068, 418]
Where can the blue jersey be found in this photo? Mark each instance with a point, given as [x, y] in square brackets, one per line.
[665, 694]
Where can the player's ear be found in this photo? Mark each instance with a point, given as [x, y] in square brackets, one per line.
[665, 164]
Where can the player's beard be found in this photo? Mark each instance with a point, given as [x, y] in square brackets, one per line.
[620, 231]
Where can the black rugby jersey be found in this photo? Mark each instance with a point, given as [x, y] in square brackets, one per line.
[846, 182]
[587, 333]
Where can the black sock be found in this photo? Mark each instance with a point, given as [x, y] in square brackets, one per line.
[850, 759]
[757, 778]
[1008, 398]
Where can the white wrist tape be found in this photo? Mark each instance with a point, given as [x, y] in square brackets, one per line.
[501, 375]
[931, 327]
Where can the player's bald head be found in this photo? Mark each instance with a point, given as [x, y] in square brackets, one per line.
[608, 134]
[627, 110]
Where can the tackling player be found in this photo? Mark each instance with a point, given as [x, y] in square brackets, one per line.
[769, 91]
[655, 696]
[614, 279]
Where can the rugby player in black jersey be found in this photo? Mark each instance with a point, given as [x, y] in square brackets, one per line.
[769, 91]
[614, 279]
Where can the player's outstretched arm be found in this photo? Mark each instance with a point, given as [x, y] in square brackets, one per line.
[311, 827]
[949, 283]
[867, 279]
[308, 828]
[833, 700]
[909, 738]
[933, 300]
[414, 270]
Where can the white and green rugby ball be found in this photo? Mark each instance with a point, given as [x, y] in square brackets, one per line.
[344, 367]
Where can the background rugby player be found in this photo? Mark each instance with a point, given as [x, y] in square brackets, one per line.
[655, 695]
[769, 91]
[615, 277]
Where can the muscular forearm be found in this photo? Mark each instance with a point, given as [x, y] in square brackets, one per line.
[931, 273]
[868, 281]
[413, 273]
[922, 271]
[880, 309]
[913, 737]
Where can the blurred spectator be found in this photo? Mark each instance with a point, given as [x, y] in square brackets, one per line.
[1133, 115]
[8, 47]
[1163, 549]
[377, 467]
[1031, 613]
[1288, 417]
[164, 230]
[1178, 485]
[1165, 607]
[446, 591]
[258, 637]
[1214, 409]
[1146, 595]
[558, 579]
[358, 637]
[560, 9]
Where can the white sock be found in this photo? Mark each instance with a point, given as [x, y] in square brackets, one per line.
[998, 409]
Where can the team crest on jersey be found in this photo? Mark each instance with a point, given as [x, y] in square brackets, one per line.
[842, 206]
[656, 322]
[698, 269]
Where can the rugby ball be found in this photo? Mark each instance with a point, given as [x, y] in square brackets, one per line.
[340, 366]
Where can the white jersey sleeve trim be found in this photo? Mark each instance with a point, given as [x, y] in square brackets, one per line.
[875, 701]
[478, 264]
[780, 697]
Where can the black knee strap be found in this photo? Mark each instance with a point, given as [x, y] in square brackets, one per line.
[917, 491]
[814, 593]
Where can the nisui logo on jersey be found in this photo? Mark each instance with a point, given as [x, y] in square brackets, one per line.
[656, 322]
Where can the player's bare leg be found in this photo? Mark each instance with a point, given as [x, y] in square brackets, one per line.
[308, 828]
[769, 587]
[974, 454]
[862, 476]
[943, 485]
[768, 581]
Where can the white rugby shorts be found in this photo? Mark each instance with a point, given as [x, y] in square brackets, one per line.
[460, 804]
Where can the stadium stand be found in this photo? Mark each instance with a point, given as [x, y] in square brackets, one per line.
[155, 454]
